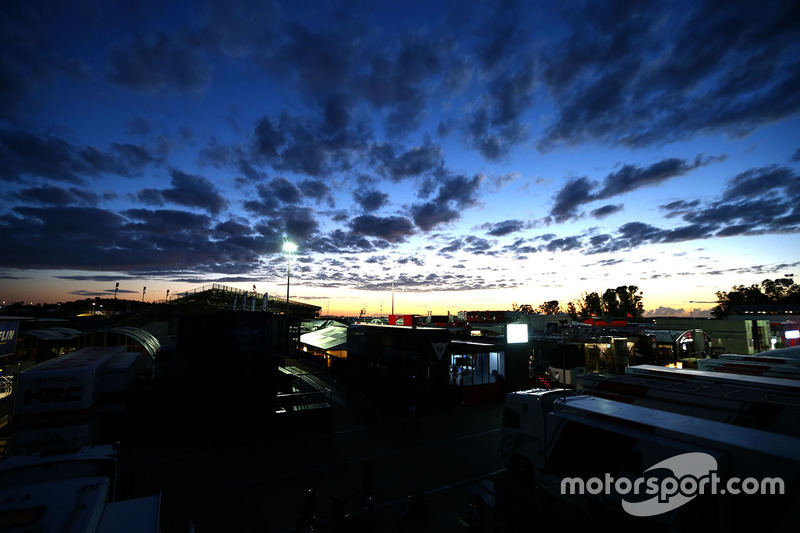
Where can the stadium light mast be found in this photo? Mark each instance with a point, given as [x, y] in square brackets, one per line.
[288, 247]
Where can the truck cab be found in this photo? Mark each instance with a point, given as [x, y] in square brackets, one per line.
[523, 436]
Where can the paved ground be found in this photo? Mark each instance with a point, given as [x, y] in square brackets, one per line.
[259, 484]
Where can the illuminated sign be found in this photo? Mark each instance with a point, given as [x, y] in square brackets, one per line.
[516, 333]
[8, 337]
[792, 334]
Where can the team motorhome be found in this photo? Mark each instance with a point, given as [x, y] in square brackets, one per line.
[554, 436]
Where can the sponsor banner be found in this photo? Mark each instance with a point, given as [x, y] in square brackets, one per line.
[8, 337]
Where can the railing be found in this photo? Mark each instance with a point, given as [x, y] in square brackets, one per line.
[301, 401]
[6, 384]
[275, 302]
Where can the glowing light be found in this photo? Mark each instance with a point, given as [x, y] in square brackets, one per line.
[516, 333]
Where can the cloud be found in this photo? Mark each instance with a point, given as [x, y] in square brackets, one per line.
[187, 190]
[761, 182]
[606, 210]
[159, 65]
[370, 199]
[57, 196]
[575, 192]
[432, 214]
[632, 177]
[314, 146]
[582, 190]
[503, 228]
[666, 311]
[456, 193]
[647, 74]
[25, 154]
[194, 191]
[414, 162]
[390, 229]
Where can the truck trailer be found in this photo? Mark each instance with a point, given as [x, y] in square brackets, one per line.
[58, 404]
[562, 442]
[737, 403]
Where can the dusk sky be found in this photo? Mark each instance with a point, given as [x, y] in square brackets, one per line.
[476, 154]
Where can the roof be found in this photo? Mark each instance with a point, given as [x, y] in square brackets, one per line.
[328, 338]
[53, 333]
[145, 338]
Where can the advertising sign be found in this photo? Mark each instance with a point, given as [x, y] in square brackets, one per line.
[8, 337]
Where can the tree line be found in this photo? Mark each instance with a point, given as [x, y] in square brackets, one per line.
[624, 301]
[770, 292]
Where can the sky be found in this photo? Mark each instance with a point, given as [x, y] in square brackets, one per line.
[430, 156]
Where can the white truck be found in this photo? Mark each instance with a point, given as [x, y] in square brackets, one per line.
[57, 404]
[564, 442]
[71, 491]
[737, 402]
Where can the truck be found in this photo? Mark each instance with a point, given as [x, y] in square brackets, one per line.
[560, 441]
[735, 402]
[768, 384]
[59, 403]
[74, 490]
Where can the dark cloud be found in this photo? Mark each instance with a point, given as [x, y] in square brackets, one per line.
[370, 199]
[272, 195]
[645, 74]
[317, 190]
[194, 191]
[25, 154]
[796, 156]
[456, 193]
[57, 196]
[576, 192]
[452, 247]
[607, 210]
[238, 28]
[476, 245]
[679, 207]
[503, 228]
[632, 177]
[414, 162]
[339, 242]
[761, 182]
[390, 229]
[187, 190]
[159, 64]
[564, 245]
[460, 190]
[283, 190]
[30, 60]
[579, 191]
[311, 145]
[432, 214]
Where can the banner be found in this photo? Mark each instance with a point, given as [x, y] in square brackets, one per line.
[8, 337]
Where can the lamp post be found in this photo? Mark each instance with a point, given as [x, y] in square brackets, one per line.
[288, 247]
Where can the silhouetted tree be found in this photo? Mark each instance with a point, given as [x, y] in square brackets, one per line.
[590, 305]
[526, 309]
[572, 311]
[771, 291]
[630, 302]
[550, 308]
[624, 301]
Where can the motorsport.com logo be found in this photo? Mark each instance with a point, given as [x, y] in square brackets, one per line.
[693, 474]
